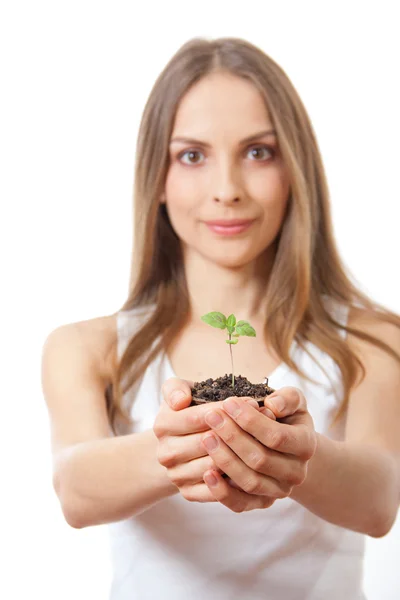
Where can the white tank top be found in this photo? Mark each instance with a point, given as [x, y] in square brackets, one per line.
[181, 550]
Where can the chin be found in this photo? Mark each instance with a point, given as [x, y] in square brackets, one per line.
[231, 261]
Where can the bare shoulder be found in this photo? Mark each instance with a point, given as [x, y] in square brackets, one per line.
[98, 337]
[374, 410]
[101, 335]
[75, 375]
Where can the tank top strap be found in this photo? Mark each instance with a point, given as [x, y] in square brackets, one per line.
[128, 324]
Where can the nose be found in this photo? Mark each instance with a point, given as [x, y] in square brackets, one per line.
[226, 184]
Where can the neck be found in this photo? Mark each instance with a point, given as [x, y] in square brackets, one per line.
[230, 290]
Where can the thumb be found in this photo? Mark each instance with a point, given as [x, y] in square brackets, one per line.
[177, 392]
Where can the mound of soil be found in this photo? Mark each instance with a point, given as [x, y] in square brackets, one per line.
[214, 390]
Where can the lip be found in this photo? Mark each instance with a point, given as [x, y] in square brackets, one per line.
[229, 222]
[237, 227]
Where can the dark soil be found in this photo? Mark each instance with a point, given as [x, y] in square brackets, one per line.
[214, 390]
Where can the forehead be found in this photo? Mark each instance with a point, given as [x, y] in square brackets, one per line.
[220, 101]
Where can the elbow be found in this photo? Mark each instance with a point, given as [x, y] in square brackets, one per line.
[383, 525]
[73, 517]
[70, 507]
[378, 532]
[73, 513]
[385, 516]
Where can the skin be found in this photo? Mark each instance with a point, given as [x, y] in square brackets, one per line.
[265, 459]
[227, 180]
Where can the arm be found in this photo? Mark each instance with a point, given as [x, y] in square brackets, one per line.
[97, 478]
[106, 480]
[356, 483]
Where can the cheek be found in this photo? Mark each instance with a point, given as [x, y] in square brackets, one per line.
[181, 184]
[273, 195]
[181, 203]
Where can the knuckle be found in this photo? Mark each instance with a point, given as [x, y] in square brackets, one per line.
[177, 480]
[167, 458]
[193, 420]
[186, 492]
[259, 462]
[301, 475]
[238, 508]
[268, 502]
[278, 439]
[309, 446]
[158, 429]
[224, 463]
[210, 464]
[253, 486]
[294, 478]
[230, 436]
[179, 477]
[247, 419]
[282, 492]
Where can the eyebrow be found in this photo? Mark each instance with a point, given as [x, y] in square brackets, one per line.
[186, 140]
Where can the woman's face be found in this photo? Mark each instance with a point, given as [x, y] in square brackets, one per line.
[221, 176]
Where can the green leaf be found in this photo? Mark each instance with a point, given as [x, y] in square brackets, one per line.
[240, 323]
[235, 334]
[215, 319]
[231, 321]
[231, 341]
[244, 328]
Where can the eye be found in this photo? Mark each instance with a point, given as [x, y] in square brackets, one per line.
[191, 153]
[256, 150]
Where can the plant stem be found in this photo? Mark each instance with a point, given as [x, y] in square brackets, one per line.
[230, 348]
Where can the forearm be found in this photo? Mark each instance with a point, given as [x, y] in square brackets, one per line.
[352, 485]
[111, 479]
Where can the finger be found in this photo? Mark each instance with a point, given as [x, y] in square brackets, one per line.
[186, 421]
[286, 468]
[295, 439]
[236, 500]
[286, 402]
[191, 472]
[197, 493]
[177, 392]
[245, 477]
[177, 449]
[267, 412]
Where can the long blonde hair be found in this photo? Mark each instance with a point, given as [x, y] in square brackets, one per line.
[307, 265]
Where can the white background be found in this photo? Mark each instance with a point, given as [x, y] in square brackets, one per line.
[75, 77]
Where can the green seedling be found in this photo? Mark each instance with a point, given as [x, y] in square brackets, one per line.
[217, 319]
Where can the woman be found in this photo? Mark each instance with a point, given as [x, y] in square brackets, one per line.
[224, 136]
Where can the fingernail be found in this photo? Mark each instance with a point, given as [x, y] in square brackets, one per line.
[213, 419]
[177, 396]
[253, 403]
[268, 413]
[231, 407]
[210, 479]
[277, 403]
[210, 442]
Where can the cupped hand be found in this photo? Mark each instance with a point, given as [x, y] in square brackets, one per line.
[263, 457]
[180, 429]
